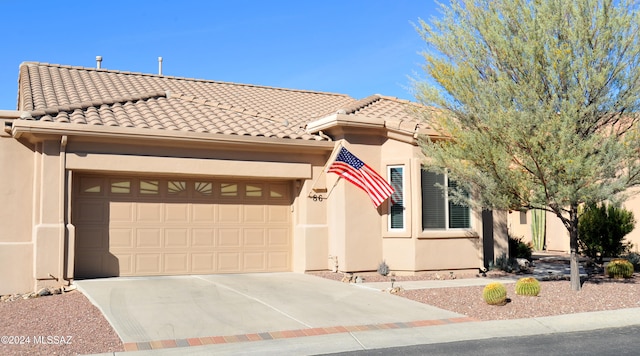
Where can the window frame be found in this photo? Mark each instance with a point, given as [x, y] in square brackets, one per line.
[446, 207]
[404, 205]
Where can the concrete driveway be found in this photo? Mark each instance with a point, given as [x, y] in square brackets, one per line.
[149, 309]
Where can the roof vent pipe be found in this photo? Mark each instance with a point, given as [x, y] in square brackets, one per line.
[98, 62]
[159, 65]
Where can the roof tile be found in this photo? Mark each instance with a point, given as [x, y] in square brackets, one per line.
[114, 98]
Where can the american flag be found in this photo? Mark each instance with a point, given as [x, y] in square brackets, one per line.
[357, 172]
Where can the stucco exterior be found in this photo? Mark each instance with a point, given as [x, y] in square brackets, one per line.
[333, 224]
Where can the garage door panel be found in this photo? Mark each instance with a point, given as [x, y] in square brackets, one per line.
[203, 238]
[121, 212]
[148, 263]
[254, 238]
[96, 237]
[125, 264]
[176, 213]
[278, 214]
[176, 238]
[89, 263]
[149, 238]
[254, 261]
[135, 226]
[229, 237]
[149, 212]
[203, 213]
[203, 262]
[254, 214]
[278, 237]
[228, 261]
[278, 261]
[229, 213]
[91, 212]
[176, 263]
[121, 238]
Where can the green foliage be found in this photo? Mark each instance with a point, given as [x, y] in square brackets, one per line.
[535, 96]
[601, 231]
[619, 268]
[527, 286]
[519, 248]
[495, 294]
[504, 263]
[383, 268]
[634, 258]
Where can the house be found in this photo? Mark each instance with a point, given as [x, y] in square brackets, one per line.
[554, 237]
[110, 173]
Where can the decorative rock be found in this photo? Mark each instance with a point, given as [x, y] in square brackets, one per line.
[43, 292]
[523, 262]
[69, 288]
[348, 277]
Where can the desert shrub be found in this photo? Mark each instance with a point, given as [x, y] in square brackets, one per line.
[519, 248]
[601, 231]
[383, 268]
[527, 286]
[495, 294]
[634, 258]
[504, 263]
[619, 268]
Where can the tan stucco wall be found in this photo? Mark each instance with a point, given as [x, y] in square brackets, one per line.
[16, 197]
[355, 236]
[633, 204]
[520, 224]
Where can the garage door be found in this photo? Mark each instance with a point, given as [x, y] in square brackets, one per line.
[131, 226]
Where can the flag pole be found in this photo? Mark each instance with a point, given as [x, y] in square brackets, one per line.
[332, 157]
[332, 188]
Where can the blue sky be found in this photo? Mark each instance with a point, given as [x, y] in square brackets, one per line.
[353, 47]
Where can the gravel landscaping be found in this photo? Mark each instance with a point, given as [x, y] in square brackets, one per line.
[68, 324]
[555, 298]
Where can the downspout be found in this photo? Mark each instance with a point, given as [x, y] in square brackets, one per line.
[63, 211]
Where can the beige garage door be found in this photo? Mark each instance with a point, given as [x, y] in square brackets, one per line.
[130, 226]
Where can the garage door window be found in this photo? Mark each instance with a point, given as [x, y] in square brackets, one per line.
[253, 190]
[204, 189]
[228, 190]
[120, 186]
[177, 188]
[149, 187]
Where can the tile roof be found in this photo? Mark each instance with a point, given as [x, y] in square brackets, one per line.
[66, 94]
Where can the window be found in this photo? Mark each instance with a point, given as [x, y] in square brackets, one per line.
[396, 201]
[228, 189]
[438, 212]
[149, 187]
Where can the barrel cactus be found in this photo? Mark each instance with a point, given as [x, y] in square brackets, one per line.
[528, 286]
[495, 294]
[619, 268]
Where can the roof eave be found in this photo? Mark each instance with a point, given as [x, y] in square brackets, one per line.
[34, 130]
[336, 120]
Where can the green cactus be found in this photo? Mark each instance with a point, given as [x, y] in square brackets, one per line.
[619, 268]
[528, 286]
[495, 294]
[538, 224]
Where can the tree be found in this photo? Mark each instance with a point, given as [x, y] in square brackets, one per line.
[536, 103]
